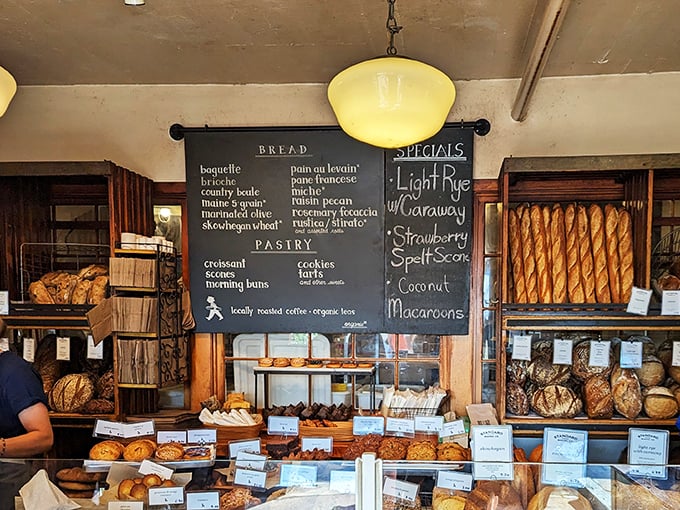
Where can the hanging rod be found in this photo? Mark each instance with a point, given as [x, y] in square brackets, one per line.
[481, 127]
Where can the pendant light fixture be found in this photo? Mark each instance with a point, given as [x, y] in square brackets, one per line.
[391, 101]
[8, 87]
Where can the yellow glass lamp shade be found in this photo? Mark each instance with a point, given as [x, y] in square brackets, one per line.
[390, 101]
[8, 87]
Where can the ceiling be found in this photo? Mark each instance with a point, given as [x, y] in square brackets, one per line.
[65, 42]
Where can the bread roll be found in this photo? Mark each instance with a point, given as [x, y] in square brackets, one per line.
[626, 392]
[585, 254]
[611, 236]
[596, 222]
[556, 401]
[625, 237]
[573, 264]
[597, 395]
[660, 403]
[543, 274]
[516, 400]
[528, 257]
[559, 498]
[558, 257]
[516, 257]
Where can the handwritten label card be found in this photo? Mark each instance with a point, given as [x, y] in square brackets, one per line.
[454, 480]
[63, 348]
[400, 489]
[166, 496]
[203, 500]
[562, 350]
[670, 302]
[521, 347]
[143, 428]
[639, 301]
[249, 445]
[676, 354]
[250, 478]
[362, 425]
[169, 436]
[202, 436]
[94, 351]
[108, 428]
[452, 428]
[148, 467]
[29, 349]
[631, 355]
[400, 427]
[283, 425]
[599, 353]
[125, 505]
[250, 460]
[648, 452]
[4, 302]
[431, 424]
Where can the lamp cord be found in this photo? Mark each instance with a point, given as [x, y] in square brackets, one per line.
[392, 27]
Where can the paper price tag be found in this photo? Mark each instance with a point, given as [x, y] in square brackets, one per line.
[342, 481]
[565, 445]
[599, 353]
[639, 301]
[319, 443]
[670, 302]
[94, 351]
[4, 302]
[400, 489]
[203, 500]
[249, 445]
[562, 350]
[298, 475]
[108, 428]
[247, 460]
[148, 467]
[4, 344]
[169, 436]
[493, 471]
[401, 426]
[492, 443]
[63, 348]
[631, 355]
[143, 428]
[521, 347]
[29, 349]
[125, 505]
[648, 447]
[202, 436]
[433, 424]
[250, 478]
[166, 496]
[452, 428]
[676, 354]
[453, 480]
[362, 425]
[569, 475]
[283, 425]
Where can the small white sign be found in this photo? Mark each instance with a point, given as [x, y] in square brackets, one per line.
[202, 436]
[250, 478]
[249, 445]
[433, 424]
[648, 452]
[320, 443]
[125, 505]
[676, 354]
[4, 344]
[521, 347]
[298, 475]
[454, 480]
[94, 351]
[247, 460]
[166, 496]
[209, 500]
[599, 353]
[143, 428]
[670, 302]
[569, 475]
[108, 428]
[362, 425]
[492, 443]
[63, 348]
[564, 457]
[562, 351]
[631, 355]
[452, 428]
[148, 467]
[4, 302]
[493, 471]
[400, 426]
[400, 489]
[170, 436]
[29, 349]
[343, 481]
[283, 425]
[639, 301]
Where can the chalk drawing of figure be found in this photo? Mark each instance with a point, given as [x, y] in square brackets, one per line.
[213, 309]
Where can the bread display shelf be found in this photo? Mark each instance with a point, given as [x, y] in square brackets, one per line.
[48, 316]
[314, 371]
[90, 465]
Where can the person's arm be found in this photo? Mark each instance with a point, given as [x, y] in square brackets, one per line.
[38, 437]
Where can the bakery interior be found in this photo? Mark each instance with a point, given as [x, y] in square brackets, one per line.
[86, 156]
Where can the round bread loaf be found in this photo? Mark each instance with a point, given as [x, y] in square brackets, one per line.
[652, 372]
[665, 353]
[516, 371]
[597, 394]
[674, 373]
[98, 406]
[556, 401]
[626, 392]
[542, 347]
[660, 403]
[46, 363]
[559, 498]
[486, 492]
[516, 400]
[544, 373]
[581, 367]
[71, 392]
[105, 385]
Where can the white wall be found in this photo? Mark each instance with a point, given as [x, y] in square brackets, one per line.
[129, 124]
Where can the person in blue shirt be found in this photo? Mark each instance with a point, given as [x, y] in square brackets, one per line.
[25, 428]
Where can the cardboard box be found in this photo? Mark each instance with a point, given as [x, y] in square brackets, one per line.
[100, 320]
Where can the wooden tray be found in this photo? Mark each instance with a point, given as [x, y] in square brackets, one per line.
[342, 432]
[226, 433]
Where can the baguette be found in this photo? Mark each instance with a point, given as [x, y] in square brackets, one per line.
[611, 238]
[548, 237]
[596, 220]
[585, 254]
[559, 256]
[528, 258]
[625, 236]
[574, 285]
[516, 257]
[543, 277]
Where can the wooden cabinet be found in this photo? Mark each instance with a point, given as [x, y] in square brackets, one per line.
[638, 186]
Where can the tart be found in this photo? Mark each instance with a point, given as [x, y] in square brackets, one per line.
[298, 362]
[170, 451]
[265, 362]
[281, 362]
[139, 450]
[107, 450]
[333, 364]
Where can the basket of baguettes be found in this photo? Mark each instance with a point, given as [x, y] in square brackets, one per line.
[570, 253]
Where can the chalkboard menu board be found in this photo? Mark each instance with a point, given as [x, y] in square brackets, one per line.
[428, 235]
[285, 231]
